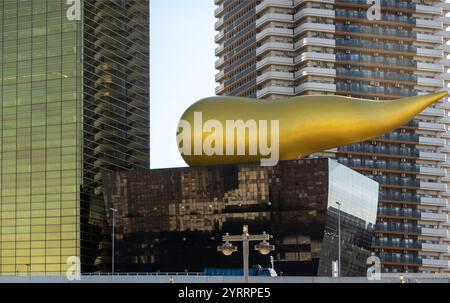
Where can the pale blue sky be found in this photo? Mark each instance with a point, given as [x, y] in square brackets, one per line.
[181, 69]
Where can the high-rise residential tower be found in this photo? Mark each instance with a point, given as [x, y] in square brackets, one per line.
[74, 100]
[367, 49]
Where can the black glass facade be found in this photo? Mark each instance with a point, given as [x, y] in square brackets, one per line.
[173, 219]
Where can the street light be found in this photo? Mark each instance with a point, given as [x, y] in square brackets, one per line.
[228, 249]
[113, 211]
[28, 265]
[339, 238]
[264, 247]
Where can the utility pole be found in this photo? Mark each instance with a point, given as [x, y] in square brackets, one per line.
[339, 238]
[113, 210]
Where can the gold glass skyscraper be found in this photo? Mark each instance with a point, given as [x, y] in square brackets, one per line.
[74, 102]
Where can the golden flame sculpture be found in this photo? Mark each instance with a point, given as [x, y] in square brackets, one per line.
[306, 124]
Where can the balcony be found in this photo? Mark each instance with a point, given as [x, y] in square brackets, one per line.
[435, 232]
[444, 105]
[315, 86]
[306, 56]
[444, 47]
[378, 31]
[316, 27]
[220, 76]
[430, 67]
[445, 34]
[430, 82]
[381, 165]
[219, 63]
[445, 21]
[315, 71]
[273, 31]
[380, 75]
[400, 197]
[391, 18]
[429, 24]
[365, 90]
[274, 17]
[274, 75]
[218, 11]
[428, 9]
[446, 135]
[433, 112]
[432, 171]
[445, 62]
[396, 181]
[429, 201]
[273, 3]
[430, 38]
[435, 217]
[322, 42]
[431, 141]
[387, 258]
[435, 186]
[273, 60]
[218, 38]
[401, 5]
[436, 263]
[314, 12]
[219, 50]
[400, 137]
[331, 150]
[279, 46]
[397, 212]
[275, 90]
[438, 127]
[218, 25]
[440, 248]
[427, 52]
[399, 244]
[382, 46]
[439, 157]
[445, 6]
[220, 89]
[378, 60]
[397, 228]
[381, 150]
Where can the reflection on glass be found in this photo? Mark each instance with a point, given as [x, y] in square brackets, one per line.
[173, 219]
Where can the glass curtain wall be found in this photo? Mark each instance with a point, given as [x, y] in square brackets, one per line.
[40, 150]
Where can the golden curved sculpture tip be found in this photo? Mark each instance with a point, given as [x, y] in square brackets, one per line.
[232, 130]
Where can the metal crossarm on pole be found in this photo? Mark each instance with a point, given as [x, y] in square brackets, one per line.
[264, 247]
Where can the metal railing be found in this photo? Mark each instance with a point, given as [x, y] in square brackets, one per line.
[380, 60]
[354, 28]
[144, 274]
[370, 89]
[397, 212]
[384, 17]
[398, 227]
[390, 46]
[381, 149]
[416, 244]
[397, 196]
[385, 3]
[381, 75]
